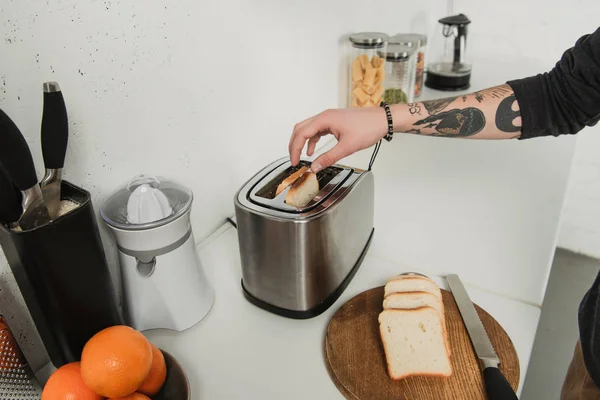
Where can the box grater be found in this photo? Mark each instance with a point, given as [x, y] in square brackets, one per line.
[17, 381]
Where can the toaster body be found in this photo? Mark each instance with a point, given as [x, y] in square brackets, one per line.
[296, 262]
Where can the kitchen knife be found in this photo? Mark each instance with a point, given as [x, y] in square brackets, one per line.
[15, 158]
[10, 200]
[54, 133]
[496, 385]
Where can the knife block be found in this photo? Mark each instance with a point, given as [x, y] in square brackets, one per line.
[64, 277]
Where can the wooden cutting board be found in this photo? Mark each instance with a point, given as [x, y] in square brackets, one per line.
[356, 361]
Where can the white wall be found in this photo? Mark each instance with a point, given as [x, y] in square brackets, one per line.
[580, 229]
[208, 92]
[203, 91]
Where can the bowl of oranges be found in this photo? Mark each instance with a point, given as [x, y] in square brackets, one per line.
[119, 363]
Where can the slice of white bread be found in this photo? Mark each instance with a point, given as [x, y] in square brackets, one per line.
[414, 343]
[303, 190]
[411, 300]
[412, 284]
[290, 180]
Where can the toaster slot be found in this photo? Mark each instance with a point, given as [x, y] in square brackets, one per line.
[265, 190]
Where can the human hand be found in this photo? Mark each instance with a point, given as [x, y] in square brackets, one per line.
[354, 128]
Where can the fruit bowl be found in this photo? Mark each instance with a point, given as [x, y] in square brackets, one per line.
[176, 386]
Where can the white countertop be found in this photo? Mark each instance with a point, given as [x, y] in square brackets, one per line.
[239, 351]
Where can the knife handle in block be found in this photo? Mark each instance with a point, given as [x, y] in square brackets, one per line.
[496, 385]
[55, 127]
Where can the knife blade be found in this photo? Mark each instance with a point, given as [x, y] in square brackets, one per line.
[496, 385]
[16, 159]
[54, 135]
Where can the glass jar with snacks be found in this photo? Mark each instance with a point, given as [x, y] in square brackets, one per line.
[419, 42]
[367, 69]
[400, 67]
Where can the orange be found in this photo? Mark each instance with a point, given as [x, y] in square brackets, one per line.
[158, 374]
[133, 396]
[115, 361]
[66, 384]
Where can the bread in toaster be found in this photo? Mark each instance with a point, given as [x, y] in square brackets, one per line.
[414, 342]
[289, 180]
[303, 190]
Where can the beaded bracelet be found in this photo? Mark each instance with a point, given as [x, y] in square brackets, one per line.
[390, 133]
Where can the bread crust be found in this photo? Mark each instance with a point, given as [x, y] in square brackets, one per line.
[290, 180]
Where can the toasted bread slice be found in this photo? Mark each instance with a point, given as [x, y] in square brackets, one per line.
[290, 180]
[303, 190]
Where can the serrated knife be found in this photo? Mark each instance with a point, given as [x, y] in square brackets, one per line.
[496, 385]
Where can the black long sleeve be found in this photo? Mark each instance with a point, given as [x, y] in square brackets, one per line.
[566, 99]
[563, 102]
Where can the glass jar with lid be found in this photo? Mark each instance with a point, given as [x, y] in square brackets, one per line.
[400, 68]
[366, 69]
[419, 42]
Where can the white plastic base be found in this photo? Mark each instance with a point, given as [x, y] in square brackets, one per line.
[176, 295]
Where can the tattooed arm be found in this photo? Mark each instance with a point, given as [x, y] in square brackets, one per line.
[488, 114]
[562, 101]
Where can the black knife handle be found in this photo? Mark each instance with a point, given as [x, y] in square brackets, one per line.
[496, 385]
[55, 129]
[15, 155]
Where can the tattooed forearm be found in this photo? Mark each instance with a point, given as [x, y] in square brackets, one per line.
[455, 123]
[497, 92]
[414, 108]
[435, 106]
[505, 115]
[451, 117]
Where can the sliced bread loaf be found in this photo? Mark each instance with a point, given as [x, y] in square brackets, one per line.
[412, 284]
[414, 343]
[303, 190]
[290, 180]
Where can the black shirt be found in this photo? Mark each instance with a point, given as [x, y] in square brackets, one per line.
[563, 102]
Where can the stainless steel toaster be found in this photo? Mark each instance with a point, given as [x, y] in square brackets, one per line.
[296, 262]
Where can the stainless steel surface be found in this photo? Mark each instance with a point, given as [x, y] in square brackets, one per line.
[397, 52]
[262, 192]
[35, 212]
[409, 39]
[50, 186]
[177, 385]
[479, 337]
[296, 260]
[369, 39]
[16, 378]
[51, 87]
